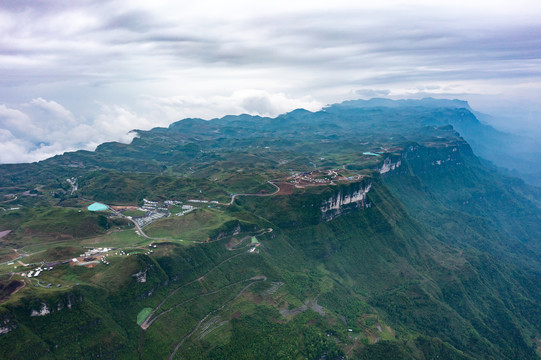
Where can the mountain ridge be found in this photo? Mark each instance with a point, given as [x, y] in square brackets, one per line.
[383, 235]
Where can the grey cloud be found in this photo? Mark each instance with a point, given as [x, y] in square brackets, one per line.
[43, 7]
[370, 93]
[432, 41]
[135, 21]
[259, 104]
[318, 41]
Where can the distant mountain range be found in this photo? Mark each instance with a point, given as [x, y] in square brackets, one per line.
[520, 155]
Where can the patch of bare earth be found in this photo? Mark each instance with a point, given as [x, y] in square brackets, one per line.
[236, 315]
[9, 288]
[9, 256]
[272, 289]
[124, 208]
[235, 243]
[285, 188]
[256, 299]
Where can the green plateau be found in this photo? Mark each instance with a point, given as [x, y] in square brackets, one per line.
[366, 230]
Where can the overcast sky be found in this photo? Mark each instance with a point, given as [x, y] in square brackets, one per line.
[76, 73]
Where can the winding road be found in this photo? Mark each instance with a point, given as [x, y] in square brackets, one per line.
[234, 196]
[253, 279]
[148, 321]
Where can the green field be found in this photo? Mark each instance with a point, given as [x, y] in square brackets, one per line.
[134, 213]
[194, 226]
[62, 252]
[122, 238]
[143, 315]
[7, 255]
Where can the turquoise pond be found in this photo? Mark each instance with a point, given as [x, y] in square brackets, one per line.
[97, 207]
[370, 153]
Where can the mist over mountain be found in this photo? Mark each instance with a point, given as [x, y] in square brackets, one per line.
[520, 154]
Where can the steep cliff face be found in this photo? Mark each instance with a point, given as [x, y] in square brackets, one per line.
[66, 301]
[231, 228]
[425, 159]
[42, 311]
[389, 164]
[345, 199]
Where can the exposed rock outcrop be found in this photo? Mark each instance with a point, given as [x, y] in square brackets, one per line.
[67, 301]
[231, 228]
[44, 310]
[6, 324]
[389, 165]
[353, 197]
[141, 276]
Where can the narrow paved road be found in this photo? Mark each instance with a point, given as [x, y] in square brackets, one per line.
[253, 279]
[130, 219]
[148, 321]
[270, 182]
[147, 324]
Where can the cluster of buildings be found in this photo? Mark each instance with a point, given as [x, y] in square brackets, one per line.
[321, 177]
[104, 260]
[150, 217]
[186, 209]
[154, 211]
[311, 177]
[50, 284]
[95, 252]
[203, 201]
[153, 205]
[150, 251]
[92, 255]
[36, 272]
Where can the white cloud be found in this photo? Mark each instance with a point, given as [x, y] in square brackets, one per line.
[42, 128]
[248, 101]
[53, 109]
[15, 149]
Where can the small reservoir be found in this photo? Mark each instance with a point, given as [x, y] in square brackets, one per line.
[97, 207]
[370, 153]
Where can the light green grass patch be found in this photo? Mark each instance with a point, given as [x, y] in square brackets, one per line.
[143, 315]
[194, 226]
[134, 213]
[115, 239]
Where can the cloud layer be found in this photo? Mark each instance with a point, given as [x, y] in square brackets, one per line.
[40, 128]
[76, 73]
